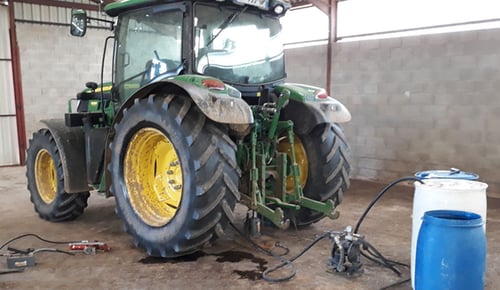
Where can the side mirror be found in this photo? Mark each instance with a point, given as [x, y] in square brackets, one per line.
[78, 22]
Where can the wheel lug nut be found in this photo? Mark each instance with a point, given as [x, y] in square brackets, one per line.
[174, 163]
[171, 181]
[170, 172]
[178, 186]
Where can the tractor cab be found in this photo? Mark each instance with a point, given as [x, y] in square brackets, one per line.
[237, 42]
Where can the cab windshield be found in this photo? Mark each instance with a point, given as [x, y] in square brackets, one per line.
[237, 46]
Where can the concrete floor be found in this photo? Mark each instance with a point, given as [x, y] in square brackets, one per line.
[230, 263]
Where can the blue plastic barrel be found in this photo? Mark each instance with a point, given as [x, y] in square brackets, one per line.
[451, 251]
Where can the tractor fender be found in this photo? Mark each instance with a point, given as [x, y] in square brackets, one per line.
[225, 106]
[70, 143]
[311, 106]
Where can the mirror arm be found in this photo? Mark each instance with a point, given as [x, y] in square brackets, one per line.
[102, 20]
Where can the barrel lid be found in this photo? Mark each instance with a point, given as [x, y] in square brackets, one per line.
[452, 173]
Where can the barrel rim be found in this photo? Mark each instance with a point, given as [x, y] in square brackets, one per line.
[452, 218]
[446, 174]
[451, 184]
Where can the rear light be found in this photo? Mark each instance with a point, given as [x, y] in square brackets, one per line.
[213, 84]
[321, 95]
[278, 9]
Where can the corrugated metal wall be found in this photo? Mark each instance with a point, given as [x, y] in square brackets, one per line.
[26, 12]
[9, 149]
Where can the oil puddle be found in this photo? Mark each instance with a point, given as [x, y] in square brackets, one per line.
[187, 258]
[223, 257]
[237, 256]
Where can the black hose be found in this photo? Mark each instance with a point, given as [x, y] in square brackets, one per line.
[36, 236]
[284, 261]
[270, 253]
[377, 257]
[372, 253]
[396, 284]
[102, 75]
[51, 250]
[376, 253]
[286, 250]
[381, 193]
[270, 270]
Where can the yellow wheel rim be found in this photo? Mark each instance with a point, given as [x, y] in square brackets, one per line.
[153, 176]
[45, 176]
[284, 146]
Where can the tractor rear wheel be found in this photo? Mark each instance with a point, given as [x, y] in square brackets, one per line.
[323, 157]
[46, 181]
[174, 175]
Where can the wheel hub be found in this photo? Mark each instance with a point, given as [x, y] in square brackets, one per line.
[153, 176]
[45, 176]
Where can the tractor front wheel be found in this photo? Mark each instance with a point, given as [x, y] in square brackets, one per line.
[46, 181]
[174, 175]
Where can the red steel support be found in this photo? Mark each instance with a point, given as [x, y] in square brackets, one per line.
[18, 87]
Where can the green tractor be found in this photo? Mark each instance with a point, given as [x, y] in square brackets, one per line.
[197, 118]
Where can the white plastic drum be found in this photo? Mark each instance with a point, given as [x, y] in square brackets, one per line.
[447, 194]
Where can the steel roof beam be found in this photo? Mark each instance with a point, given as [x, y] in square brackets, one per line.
[63, 4]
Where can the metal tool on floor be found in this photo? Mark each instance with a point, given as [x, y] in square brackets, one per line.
[88, 248]
[19, 259]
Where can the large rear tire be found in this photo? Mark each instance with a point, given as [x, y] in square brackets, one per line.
[46, 181]
[174, 176]
[323, 157]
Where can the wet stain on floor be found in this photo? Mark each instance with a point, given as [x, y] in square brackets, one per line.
[238, 256]
[187, 258]
[222, 257]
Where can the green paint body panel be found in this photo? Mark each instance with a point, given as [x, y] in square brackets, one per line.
[115, 8]
[105, 86]
[300, 93]
[197, 80]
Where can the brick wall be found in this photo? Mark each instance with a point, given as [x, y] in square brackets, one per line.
[307, 65]
[55, 66]
[421, 102]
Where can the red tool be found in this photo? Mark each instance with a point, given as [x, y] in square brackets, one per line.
[88, 247]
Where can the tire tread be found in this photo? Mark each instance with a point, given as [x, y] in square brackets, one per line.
[215, 178]
[66, 206]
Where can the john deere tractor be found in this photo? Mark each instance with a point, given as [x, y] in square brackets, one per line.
[197, 118]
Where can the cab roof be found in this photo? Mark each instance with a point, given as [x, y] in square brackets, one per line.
[116, 8]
